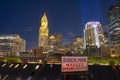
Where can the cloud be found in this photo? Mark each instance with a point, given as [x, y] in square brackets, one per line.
[28, 29]
[66, 41]
[71, 34]
[31, 45]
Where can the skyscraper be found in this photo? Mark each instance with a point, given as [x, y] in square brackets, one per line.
[114, 25]
[58, 40]
[43, 32]
[11, 44]
[52, 40]
[77, 43]
[93, 35]
[114, 28]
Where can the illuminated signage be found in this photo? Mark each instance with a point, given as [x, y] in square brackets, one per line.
[72, 64]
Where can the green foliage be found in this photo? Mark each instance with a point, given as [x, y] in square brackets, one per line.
[103, 60]
[12, 59]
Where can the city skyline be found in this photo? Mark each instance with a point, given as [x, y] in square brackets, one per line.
[64, 16]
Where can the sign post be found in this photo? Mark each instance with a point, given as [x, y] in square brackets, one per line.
[64, 76]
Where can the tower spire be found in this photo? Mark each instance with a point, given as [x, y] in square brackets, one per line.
[43, 31]
[44, 14]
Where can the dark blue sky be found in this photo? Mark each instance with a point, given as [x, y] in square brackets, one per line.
[64, 16]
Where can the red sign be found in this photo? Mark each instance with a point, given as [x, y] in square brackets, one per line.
[70, 64]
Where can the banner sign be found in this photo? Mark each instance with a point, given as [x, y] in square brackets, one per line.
[72, 64]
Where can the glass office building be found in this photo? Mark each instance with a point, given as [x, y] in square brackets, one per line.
[93, 35]
[11, 44]
[114, 25]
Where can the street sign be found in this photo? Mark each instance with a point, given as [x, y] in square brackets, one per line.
[73, 63]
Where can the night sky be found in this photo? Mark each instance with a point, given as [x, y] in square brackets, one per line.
[67, 17]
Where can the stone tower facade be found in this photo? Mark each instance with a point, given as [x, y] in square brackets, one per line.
[43, 32]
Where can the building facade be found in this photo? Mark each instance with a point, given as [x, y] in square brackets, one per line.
[93, 36]
[11, 44]
[114, 24]
[43, 32]
[77, 44]
[55, 43]
[58, 40]
[52, 41]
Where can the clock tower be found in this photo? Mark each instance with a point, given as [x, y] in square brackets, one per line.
[43, 32]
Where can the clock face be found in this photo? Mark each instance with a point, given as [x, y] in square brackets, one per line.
[44, 23]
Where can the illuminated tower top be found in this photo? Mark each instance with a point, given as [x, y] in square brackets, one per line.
[43, 32]
[93, 34]
[44, 25]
